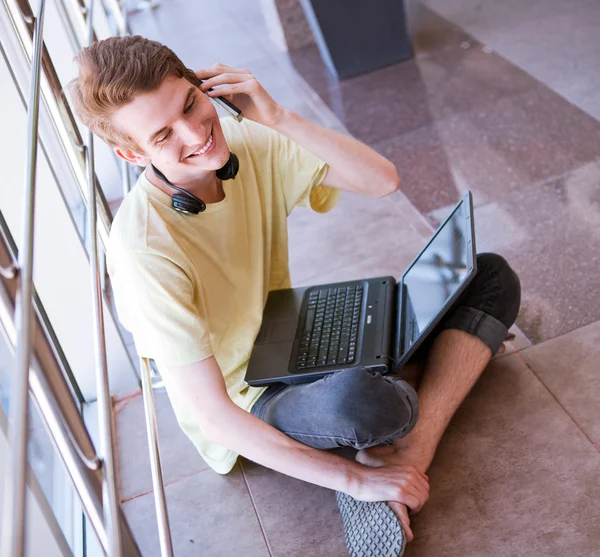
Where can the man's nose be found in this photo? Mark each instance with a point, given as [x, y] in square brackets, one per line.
[192, 134]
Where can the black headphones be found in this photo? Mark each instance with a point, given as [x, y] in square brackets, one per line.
[188, 203]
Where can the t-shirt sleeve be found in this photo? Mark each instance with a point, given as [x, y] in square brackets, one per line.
[301, 174]
[294, 170]
[156, 301]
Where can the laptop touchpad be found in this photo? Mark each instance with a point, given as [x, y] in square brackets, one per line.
[281, 330]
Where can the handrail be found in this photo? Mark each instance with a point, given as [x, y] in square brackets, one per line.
[125, 181]
[164, 530]
[72, 456]
[162, 514]
[62, 117]
[9, 272]
[8, 254]
[79, 9]
[57, 407]
[18, 427]
[77, 152]
[46, 328]
[110, 496]
[120, 17]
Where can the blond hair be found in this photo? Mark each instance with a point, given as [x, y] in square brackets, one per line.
[112, 72]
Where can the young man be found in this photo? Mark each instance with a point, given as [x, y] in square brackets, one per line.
[191, 288]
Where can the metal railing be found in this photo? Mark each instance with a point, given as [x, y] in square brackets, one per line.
[104, 512]
[86, 469]
[14, 515]
[109, 485]
[162, 514]
[164, 531]
[61, 116]
[54, 399]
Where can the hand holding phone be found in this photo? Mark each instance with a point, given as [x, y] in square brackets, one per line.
[241, 89]
[226, 105]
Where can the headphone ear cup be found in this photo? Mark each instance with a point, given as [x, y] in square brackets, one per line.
[231, 168]
[186, 204]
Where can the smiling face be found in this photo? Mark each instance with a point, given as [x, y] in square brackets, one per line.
[177, 129]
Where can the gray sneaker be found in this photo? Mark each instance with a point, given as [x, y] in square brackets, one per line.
[370, 529]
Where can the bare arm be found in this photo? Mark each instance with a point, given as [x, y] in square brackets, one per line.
[353, 166]
[202, 386]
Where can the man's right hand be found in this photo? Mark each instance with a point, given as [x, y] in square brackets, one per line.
[403, 487]
[393, 482]
[202, 387]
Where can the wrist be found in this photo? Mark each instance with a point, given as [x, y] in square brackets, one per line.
[353, 479]
[281, 119]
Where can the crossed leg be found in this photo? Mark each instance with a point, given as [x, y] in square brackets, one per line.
[455, 362]
[456, 359]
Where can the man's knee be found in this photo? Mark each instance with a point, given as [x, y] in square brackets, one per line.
[374, 408]
[501, 285]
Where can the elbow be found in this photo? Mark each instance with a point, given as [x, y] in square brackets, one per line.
[212, 424]
[209, 430]
[215, 433]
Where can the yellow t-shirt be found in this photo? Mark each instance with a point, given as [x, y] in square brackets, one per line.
[189, 287]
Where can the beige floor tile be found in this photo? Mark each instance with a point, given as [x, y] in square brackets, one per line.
[178, 454]
[361, 235]
[568, 366]
[210, 515]
[299, 519]
[513, 476]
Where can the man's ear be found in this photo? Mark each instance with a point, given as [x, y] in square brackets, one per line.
[132, 156]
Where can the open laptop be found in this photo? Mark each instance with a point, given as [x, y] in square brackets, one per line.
[310, 332]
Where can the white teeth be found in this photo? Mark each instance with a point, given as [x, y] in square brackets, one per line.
[205, 148]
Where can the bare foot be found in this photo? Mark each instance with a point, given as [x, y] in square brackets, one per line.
[405, 453]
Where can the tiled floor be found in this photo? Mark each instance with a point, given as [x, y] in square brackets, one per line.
[554, 41]
[518, 472]
[458, 118]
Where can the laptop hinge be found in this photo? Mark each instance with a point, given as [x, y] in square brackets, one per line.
[388, 296]
[397, 338]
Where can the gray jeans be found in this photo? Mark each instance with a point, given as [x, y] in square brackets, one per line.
[359, 408]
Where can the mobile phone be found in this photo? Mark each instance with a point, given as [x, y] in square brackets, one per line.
[226, 105]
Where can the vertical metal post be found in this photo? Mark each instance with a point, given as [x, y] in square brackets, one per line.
[14, 515]
[125, 177]
[119, 16]
[110, 500]
[73, 459]
[162, 515]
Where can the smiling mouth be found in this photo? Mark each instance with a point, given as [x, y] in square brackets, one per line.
[203, 149]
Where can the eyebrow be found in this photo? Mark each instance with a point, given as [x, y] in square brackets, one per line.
[156, 134]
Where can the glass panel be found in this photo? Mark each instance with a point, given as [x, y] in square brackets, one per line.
[44, 461]
[61, 268]
[62, 48]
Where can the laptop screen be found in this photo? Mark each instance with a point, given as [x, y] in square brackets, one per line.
[437, 273]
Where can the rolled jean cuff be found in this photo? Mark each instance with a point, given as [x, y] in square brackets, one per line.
[479, 324]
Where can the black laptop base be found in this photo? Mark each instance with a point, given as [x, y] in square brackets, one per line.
[374, 332]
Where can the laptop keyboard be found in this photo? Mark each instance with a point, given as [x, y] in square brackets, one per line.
[331, 327]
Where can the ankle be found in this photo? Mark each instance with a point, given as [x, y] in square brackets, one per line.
[416, 452]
